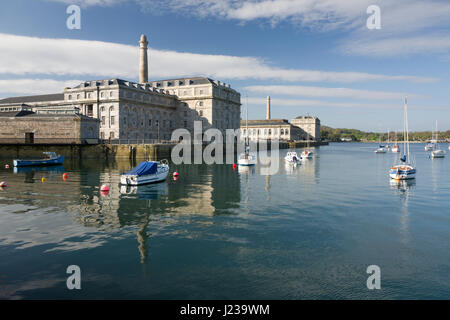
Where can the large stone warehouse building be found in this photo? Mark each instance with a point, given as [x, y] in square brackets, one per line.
[132, 111]
[300, 128]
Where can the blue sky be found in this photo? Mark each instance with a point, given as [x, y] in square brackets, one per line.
[316, 57]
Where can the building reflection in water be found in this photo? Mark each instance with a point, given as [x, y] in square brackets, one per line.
[205, 190]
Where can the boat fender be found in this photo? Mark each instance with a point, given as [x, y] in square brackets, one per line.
[104, 188]
[3, 184]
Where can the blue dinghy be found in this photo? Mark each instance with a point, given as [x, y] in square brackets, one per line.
[51, 159]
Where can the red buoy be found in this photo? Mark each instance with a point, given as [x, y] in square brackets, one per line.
[234, 166]
[7, 166]
[104, 188]
[175, 174]
[65, 176]
[3, 184]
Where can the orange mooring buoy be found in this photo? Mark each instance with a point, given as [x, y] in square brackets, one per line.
[65, 176]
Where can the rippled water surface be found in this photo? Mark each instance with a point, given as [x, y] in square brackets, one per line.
[216, 233]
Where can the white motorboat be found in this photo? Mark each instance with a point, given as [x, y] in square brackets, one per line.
[306, 154]
[430, 146]
[146, 172]
[437, 152]
[381, 149]
[292, 157]
[405, 170]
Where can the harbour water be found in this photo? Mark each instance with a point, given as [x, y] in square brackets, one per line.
[307, 232]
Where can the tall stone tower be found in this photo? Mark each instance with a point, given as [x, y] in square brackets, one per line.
[143, 63]
[268, 108]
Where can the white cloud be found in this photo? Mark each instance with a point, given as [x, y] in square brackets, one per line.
[88, 3]
[281, 102]
[35, 86]
[394, 46]
[307, 91]
[22, 55]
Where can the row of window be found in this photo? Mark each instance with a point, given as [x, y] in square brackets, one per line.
[253, 132]
[90, 95]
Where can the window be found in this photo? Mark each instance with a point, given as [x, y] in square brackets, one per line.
[157, 123]
[149, 122]
[185, 123]
[265, 132]
[282, 131]
[200, 113]
[112, 120]
[70, 97]
[201, 92]
[270, 132]
[102, 94]
[185, 113]
[110, 93]
[90, 110]
[200, 103]
[78, 96]
[103, 120]
[89, 95]
[111, 109]
[102, 109]
[111, 135]
[102, 135]
[286, 131]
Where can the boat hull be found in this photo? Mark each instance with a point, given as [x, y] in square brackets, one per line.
[43, 162]
[402, 173]
[438, 154]
[246, 162]
[135, 180]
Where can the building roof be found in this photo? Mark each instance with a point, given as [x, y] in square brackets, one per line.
[265, 122]
[9, 114]
[193, 80]
[37, 98]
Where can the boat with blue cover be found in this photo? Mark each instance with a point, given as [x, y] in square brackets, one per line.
[146, 172]
[51, 159]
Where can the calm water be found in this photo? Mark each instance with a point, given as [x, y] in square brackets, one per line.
[215, 233]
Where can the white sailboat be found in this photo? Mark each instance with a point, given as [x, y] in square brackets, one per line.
[246, 159]
[432, 144]
[437, 152]
[406, 169]
[395, 147]
[146, 172]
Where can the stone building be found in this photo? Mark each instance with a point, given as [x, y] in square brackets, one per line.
[300, 128]
[270, 129]
[146, 111]
[311, 125]
[22, 125]
[211, 101]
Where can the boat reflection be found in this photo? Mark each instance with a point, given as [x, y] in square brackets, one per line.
[145, 192]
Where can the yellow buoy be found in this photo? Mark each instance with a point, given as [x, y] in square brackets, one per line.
[43, 179]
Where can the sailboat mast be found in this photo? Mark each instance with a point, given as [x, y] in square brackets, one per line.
[407, 128]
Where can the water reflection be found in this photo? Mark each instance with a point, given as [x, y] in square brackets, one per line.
[404, 188]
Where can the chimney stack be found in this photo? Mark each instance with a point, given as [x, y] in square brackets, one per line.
[143, 63]
[268, 108]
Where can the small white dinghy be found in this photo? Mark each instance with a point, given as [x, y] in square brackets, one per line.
[292, 157]
[307, 154]
[146, 172]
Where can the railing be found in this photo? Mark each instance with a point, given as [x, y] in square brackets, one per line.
[135, 141]
[35, 140]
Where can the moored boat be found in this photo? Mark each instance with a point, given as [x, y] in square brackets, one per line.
[51, 159]
[307, 154]
[292, 157]
[406, 169]
[437, 152]
[146, 172]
